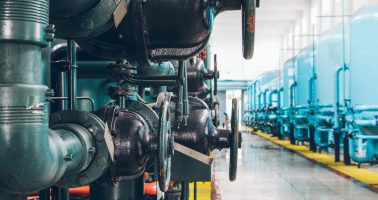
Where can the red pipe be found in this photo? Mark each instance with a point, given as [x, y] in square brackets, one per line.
[149, 189]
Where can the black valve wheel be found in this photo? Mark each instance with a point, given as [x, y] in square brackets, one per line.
[248, 24]
[165, 147]
[216, 75]
[215, 113]
[234, 140]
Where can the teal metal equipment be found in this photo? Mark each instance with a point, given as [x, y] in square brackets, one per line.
[262, 116]
[288, 81]
[304, 72]
[363, 112]
[331, 56]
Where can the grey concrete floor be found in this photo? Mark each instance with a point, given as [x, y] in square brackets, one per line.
[269, 172]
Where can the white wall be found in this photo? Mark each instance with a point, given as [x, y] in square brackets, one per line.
[308, 20]
[229, 49]
[325, 14]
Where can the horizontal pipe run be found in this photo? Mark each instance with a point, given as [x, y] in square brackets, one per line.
[78, 98]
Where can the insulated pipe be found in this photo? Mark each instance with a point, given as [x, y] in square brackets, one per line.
[32, 156]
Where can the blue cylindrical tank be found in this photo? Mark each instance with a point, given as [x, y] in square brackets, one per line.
[330, 51]
[288, 80]
[304, 71]
[363, 82]
[269, 81]
[364, 56]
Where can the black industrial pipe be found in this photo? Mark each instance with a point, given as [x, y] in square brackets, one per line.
[72, 75]
[312, 139]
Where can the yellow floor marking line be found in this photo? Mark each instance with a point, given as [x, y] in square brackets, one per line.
[360, 174]
[203, 191]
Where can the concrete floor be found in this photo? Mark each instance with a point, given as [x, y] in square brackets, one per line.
[269, 172]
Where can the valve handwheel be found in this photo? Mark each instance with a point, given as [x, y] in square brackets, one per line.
[165, 146]
[248, 23]
[234, 140]
[216, 75]
[215, 113]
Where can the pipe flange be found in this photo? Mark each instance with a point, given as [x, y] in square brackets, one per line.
[90, 24]
[146, 113]
[117, 91]
[101, 159]
[121, 68]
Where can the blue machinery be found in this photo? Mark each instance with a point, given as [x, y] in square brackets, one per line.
[119, 99]
[328, 98]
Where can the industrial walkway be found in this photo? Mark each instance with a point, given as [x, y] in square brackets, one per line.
[267, 171]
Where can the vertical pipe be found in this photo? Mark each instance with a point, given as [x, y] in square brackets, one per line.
[72, 93]
[124, 190]
[347, 160]
[337, 97]
[121, 101]
[195, 191]
[72, 77]
[344, 46]
[62, 90]
[179, 101]
[254, 96]
[264, 97]
[337, 134]
[44, 194]
[185, 93]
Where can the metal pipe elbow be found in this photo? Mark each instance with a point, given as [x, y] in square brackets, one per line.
[31, 157]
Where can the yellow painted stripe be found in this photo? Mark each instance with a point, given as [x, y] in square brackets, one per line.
[360, 174]
[203, 191]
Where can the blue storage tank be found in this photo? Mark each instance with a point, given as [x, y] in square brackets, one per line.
[363, 82]
[364, 56]
[304, 71]
[269, 81]
[288, 80]
[330, 50]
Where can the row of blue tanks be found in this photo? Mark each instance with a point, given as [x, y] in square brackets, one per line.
[326, 97]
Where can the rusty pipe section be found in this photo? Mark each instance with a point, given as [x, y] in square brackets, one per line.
[32, 156]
